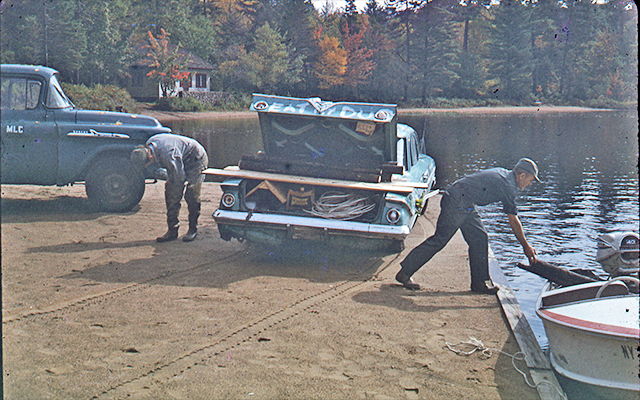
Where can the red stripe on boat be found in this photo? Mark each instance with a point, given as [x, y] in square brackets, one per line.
[593, 326]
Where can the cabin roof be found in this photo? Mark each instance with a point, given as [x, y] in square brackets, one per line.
[193, 61]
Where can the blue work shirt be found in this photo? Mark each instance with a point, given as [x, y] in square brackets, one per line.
[176, 154]
[486, 187]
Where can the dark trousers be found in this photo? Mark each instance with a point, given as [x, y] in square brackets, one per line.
[454, 215]
[174, 190]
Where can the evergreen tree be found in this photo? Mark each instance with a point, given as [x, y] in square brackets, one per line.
[23, 32]
[52, 31]
[268, 65]
[107, 36]
[384, 83]
[199, 35]
[66, 38]
[472, 17]
[228, 72]
[544, 52]
[575, 26]
[374, 9]
[350, 9]
[404, 12]
[235, 20]
[510, 50]
[295, 20]
[437, 60]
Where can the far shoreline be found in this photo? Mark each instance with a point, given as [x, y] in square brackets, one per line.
[166, 116]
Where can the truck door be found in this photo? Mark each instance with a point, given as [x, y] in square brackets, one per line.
[28, 133]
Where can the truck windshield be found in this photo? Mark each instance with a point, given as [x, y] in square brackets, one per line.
[57, 98]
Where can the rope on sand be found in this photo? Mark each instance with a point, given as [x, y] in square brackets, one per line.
[472, 345]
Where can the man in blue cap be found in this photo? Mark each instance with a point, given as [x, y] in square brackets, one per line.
[458, 211]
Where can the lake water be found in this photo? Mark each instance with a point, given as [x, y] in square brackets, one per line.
[588, 162]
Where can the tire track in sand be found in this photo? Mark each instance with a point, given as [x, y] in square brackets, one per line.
[238, 336]
[77, 305]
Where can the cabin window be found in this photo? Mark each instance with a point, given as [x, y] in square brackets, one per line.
[201, 80]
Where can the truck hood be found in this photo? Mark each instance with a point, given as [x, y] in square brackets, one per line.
[115, 118]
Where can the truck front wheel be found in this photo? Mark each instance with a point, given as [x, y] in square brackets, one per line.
[114, 184]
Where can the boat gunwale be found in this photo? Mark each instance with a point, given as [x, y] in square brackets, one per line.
[546, 314]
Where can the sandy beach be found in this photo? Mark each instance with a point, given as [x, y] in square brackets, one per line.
[94, 308]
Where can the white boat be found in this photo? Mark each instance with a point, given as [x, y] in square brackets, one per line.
[593, 328]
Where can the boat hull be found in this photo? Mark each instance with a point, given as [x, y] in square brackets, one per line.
[595, 341]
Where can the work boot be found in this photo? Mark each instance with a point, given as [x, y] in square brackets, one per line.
[191, 235]
[406, 281]
[172, 234]
[194, 213]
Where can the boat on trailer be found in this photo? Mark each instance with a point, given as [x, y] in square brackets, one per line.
[593, 328]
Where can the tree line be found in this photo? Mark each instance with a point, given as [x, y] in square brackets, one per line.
[412, 52]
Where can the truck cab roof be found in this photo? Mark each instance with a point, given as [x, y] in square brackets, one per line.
[28, 69]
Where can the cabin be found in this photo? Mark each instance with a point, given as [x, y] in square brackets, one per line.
[143, 88]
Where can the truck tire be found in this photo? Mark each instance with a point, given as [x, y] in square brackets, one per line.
[114, 184]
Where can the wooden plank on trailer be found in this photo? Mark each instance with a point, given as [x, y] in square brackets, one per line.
[397, 187]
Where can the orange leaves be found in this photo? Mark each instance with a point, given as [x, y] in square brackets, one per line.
[359, 64]
[168, 65]
[616, 87]
[179, 75]
[332, 62]
[344, 60]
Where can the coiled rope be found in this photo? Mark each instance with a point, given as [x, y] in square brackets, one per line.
[474, 345]
[335, 205]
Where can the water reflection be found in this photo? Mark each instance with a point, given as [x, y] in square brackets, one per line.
[225, 139]
[588, 162]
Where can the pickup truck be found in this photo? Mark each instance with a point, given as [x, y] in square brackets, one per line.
[46, 140]
[344, 173]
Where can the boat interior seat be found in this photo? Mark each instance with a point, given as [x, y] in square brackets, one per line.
[587, 292]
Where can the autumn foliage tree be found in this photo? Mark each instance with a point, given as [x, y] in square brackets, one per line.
[331, 63]
[359, 63]
[168, 65]
[578, 52]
